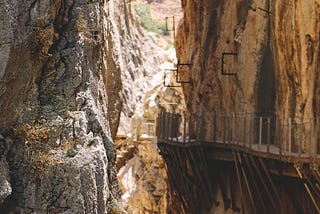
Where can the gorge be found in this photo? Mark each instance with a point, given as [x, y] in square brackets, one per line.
[74, 74]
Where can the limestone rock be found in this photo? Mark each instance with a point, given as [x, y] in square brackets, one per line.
[144, 181]
[60, 101]
[5, 186]
[160, 97]
[254, 56]
[276, 64]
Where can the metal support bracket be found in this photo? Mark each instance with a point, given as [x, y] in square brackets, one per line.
[267, 11]
[176, 70]
[177, 75]
[173, 25]
[225, 54]
[164, 79]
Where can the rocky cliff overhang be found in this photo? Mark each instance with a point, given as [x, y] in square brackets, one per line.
[60, 102]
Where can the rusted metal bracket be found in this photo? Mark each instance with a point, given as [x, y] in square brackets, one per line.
[267, 11]
[164, 79]
[177, 75]
[176, 70]
[225, 54]
[173, 25]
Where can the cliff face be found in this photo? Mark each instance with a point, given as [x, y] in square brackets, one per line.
[277, 56]
[296, 47]
[258, 57]
[60, 103]
[143, 180]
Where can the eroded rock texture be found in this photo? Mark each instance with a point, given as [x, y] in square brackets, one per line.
[277, 56]
[60, 103]
[276, 61]
[143, 180]
[253, 56]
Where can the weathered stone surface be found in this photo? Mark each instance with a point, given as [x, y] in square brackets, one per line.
[277, 62]
[276, 46]
[144, 181]
[59, 99]
[66, 184]
[5, 186]
[160, 97]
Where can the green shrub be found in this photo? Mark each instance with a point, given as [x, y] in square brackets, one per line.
[163, 28]
[113, 208]
[144, 12]
[71, 153]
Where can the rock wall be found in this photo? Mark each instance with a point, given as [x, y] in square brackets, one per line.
[253, 56]
[60, 86]
[277, 61]
[143, 180]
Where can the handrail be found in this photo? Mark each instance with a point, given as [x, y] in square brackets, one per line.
[286, 138]
[137, 132]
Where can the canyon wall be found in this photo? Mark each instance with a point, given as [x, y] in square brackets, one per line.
[275, 64]
[143, 180]
[255, 56]
[60, 101]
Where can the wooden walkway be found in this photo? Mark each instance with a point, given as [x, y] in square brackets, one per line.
[289, 140]
[251, 159]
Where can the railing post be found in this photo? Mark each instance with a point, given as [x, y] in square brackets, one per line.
[170, 131]
[163, 125]
[245, 130]
[159, 125]
[233, 128]
[311, 137]
[251, 131]
[201, 129]
[214, 127]
[224, 130]
[184, 126]
[196, 119]
[317, 136]
[260, 134]
[190, 126]
[138, 131]
[241, 129]
[290, 135]
[227, 129]
[268, 135]
[167, 125]
[279, 140]
[300, 138]
[284, 142]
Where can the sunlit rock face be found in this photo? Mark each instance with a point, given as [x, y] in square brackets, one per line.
[253, 56]
[60, 86]
[273, 48]
[274, 65]
[143, 180]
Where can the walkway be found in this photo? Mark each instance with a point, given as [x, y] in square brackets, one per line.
[289, 140]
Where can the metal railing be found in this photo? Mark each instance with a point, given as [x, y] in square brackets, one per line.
[141, 128]
[261, 133]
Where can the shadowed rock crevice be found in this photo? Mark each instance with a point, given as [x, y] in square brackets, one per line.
[266, 84]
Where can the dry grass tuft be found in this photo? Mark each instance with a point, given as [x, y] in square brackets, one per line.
[40, 163]
[32, 134]
[35, 139]
[40, 41]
